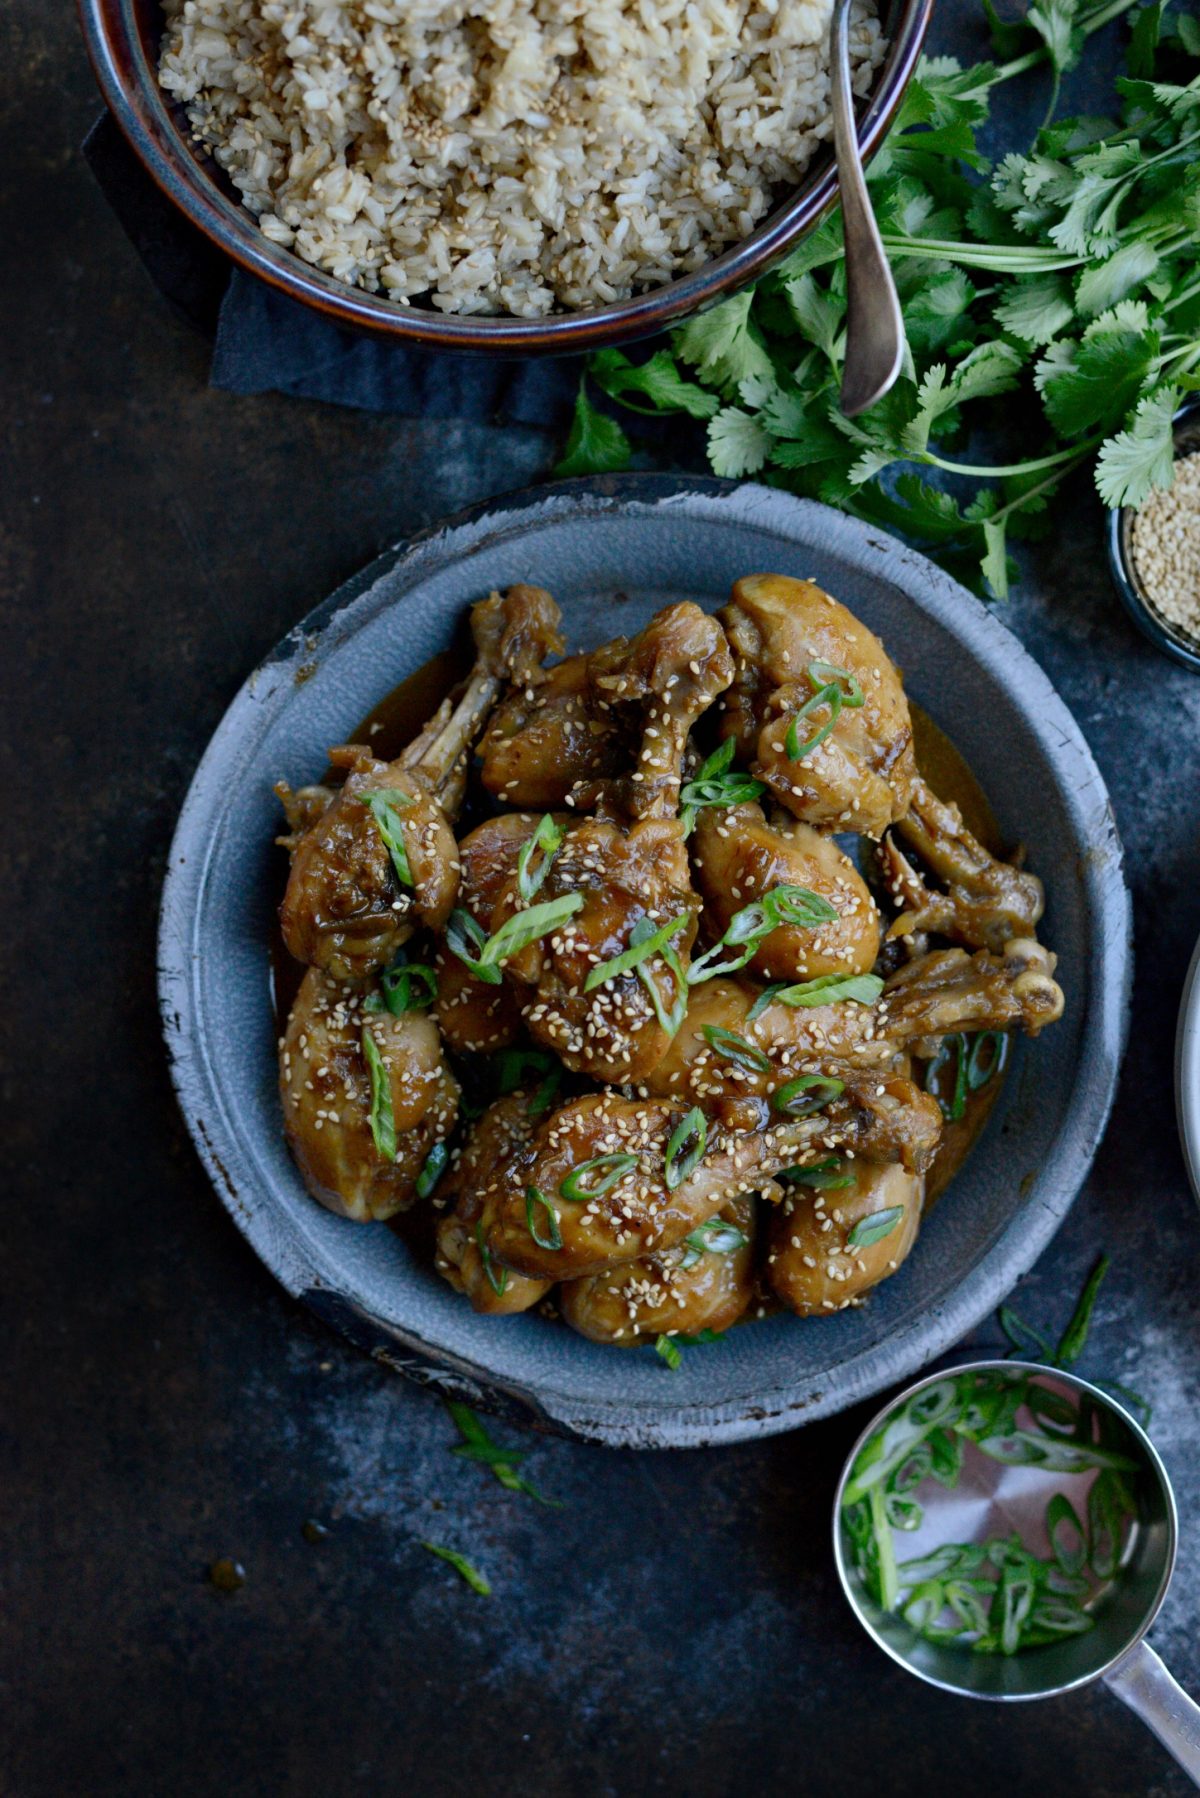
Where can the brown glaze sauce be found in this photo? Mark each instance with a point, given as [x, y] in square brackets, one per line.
[392, 724]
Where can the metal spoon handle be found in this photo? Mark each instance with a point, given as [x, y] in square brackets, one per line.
[1143, 1683]
[874, 328]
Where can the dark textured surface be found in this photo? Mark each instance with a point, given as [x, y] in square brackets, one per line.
[677, 1628]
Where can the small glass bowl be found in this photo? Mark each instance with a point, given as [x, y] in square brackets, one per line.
[1132, 593]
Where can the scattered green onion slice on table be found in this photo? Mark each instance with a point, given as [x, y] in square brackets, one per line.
[873, 1229]
[461, 1566]
[434, 1167]
[808, 1093]
[535, 1197]
[383, 1120]
[548, 839]
[685, 1150]
[484, 954]
[611, 1169]
[652, 943]
[732, 1047]
[382, 804]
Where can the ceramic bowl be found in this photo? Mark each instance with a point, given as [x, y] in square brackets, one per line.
[613, 551]
[122, 38]
[1126, 579]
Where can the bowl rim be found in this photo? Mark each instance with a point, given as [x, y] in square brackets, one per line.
[1185, 426]
[130, 89]
[693, 1420]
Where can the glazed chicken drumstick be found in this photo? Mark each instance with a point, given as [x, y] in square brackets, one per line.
[381, 858]
[986, 902]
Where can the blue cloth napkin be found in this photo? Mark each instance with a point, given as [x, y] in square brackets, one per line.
[264, 342]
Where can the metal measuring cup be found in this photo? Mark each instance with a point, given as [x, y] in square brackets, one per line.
[986, 1504]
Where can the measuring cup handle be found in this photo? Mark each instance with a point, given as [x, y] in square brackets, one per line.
[1143, 1683]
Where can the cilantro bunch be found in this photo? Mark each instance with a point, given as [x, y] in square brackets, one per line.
[1067, 277]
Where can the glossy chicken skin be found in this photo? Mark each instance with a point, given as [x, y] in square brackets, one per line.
[502, 1131]
[681, 1289]
[627, 871]
[475, 1016]
[548, 745]
[640, 1215]
[985, 902]
[860, 777]
[325, 1088]
[812, 1265]
[345, 909]
[738, 857]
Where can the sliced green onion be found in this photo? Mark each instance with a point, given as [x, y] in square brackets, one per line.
[822, 1176]
[500, 1285]
[716, 1237]
[611, 1168]
[535, 1196]
[382, 803]
[989, 1052]
[784, 904]
[516, 933]
[548, 838]
[434, 1168]
[685, 1150]
[1066, 1533]
[1074, 1337]
[383, 1118]
[767, 997]
[1016, 1601]
[461, 1566]
[873, 1229]
[717, 782]
[832, 989]
[637, 952]
[732, 1047]
[953, 1045]
[408, 986]
[666, 1351]
[671, 1020]
[511, 1066]
[830, 696]
[822, 674]
[820, 1088]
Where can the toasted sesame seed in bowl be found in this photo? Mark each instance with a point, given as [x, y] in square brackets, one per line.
[1154, 552]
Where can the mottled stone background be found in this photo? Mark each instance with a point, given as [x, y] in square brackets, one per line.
[677, 1628]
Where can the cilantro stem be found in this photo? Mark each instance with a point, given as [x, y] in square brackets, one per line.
[998, 471]
[1013, 259]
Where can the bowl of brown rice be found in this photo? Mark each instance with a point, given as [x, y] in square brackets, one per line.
[506, 176]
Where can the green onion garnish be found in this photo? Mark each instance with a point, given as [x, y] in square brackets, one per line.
[749, 927]
[717, 782]
[832, 989]
[434, 1168]
[716, 1237]
[535, 1196]
[819, 1088]
[820, 674]
[830, 696]
[638, 951]
[873, 1229]
[988, 1054]
[767, 997]
[407, 986]
[953, 1047]
[502, 1463]
[671, 1020]
[548, 838]
[383, 1118]
[461, 1566]
[732, 1047]
[511, 1068]
[1066, 1534]
[382, 805]
[686, 1147]
[485, 954]
[500, 1285]
[611, 1169]
[666, 1351]
[822, 1176]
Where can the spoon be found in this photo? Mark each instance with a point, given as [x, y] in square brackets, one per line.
[874, 328]
[992, 1498]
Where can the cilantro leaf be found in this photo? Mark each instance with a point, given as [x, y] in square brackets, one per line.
[597, 444]
[1036, 308]
[1137, 460]
[658, 379]
[738, 444]
[724, 344]
[1096, 380]
[1104, 283]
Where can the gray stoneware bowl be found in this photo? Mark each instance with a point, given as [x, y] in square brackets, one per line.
[613, 551]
